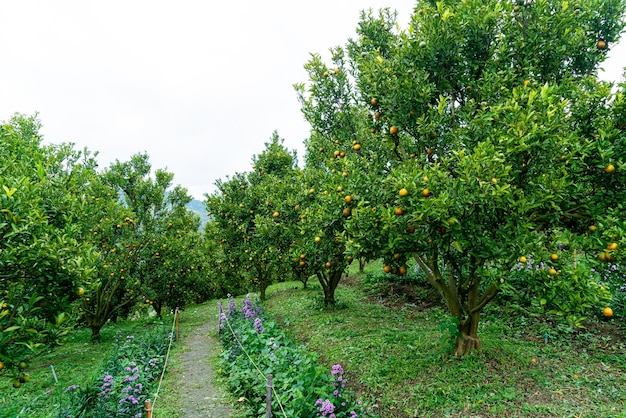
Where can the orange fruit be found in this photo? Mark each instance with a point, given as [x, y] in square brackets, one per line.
[317, 239]
[601, 44]
[347, 212]
[552, 271]
[399, 211]
[522, 259]
[356, 147]
[602, 256]
[429, 151]
[80, 291]
[386, 269]
[336, 153]
[329, 264]
[301, 263]
[393, 130]
[1, 365]
[302, 256]
[348, 199]
[612, 246]
[610, 168]
[425, 192]
[402, 271]
[554, 257]
[374, 101]
[276, 214]
[403, 192]
[526, 83]
[608, 312]
[593, 228]
[396, 256]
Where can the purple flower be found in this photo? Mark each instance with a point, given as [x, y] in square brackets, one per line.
[258, 326]
[327, 408]
[337, 369]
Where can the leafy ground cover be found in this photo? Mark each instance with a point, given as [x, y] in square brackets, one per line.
[112, 377]
[396, 352]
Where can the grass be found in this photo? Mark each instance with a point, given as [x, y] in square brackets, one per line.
[393, 351]
[77, 362]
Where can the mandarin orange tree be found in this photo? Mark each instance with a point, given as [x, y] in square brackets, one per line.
[44, 258]
[253, 216]
[483, 135]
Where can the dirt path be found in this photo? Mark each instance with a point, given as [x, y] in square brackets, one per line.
[199, 397]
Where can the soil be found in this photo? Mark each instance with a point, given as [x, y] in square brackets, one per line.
[198, 394]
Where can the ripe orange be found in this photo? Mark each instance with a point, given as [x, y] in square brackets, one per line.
[554, 257]
[526, 83]
[80, 291]
[329, 264]
[608, 312]
[412, 156]
[336, 153]
[374, 101]
[356, 147]
[386, 269]
[425, 192]
[301, 263]
[393, 130]
[592, 228]
[346, 212]
[348, 199]
[610, 168]
[342, 154]
[522, 259]
[302, 256]
[339, 188]
[429, 151]
[403, 192]
[399, 211]
[612, 246]
[377, 115]
[276, 214]
[402, 271]
[1, 365]
[317, 239]
[601, 44]
[396, 256]
[552, 271]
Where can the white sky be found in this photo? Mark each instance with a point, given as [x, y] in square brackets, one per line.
[199, 85]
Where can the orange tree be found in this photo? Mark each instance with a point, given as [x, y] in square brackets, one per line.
[254, 216]
[329, 195]
[477, 136]
[44, 262]
[168, 260]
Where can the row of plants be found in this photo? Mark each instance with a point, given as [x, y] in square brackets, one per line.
[465, 145]
[255, 347]
[128, 378]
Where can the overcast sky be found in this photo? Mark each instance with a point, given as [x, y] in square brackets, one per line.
[198, 85]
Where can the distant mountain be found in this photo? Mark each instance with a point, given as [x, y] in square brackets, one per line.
[198, 207]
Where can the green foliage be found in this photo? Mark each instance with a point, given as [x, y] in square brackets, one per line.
[43, 258]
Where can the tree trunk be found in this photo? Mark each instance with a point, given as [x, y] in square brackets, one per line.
[361, 265]
[95, 331]
[468, 339]
[329, 282]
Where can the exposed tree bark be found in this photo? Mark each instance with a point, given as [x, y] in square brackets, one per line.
[329, 281]
[461, 294]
